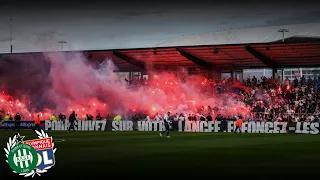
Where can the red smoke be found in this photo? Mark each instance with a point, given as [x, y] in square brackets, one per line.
[75, 85]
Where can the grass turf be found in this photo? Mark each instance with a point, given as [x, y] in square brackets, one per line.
[105, 153]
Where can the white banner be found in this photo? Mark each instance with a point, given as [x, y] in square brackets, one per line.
[187, 126]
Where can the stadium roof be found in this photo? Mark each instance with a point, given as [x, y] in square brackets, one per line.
[238, 48]
[294, 53]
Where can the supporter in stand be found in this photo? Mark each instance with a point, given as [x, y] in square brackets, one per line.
[194, 118]
[209, 117]
[90, 117]
[62, 118]
[157, 117]
[265, 99]
[175, 122]
[98, 117]
[182, 117]
[190, 117]
[77, 120]
[202, 118]
[6, 117]
[53, 117]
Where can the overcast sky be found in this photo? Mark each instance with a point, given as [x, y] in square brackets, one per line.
[95, 25]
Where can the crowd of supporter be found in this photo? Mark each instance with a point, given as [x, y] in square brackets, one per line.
[287, 101]
[268, 100]
[265, 99]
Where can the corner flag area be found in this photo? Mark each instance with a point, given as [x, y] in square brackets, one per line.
[126, 153]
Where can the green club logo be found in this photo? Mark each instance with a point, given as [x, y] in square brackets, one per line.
[31, 157]
[23, 158]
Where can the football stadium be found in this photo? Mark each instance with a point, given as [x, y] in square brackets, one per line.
[271, 86]
[243, 102]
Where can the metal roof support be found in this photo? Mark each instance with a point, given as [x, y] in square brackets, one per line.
[264, 59]
[141, 65]
[195, 60]
[275, 73]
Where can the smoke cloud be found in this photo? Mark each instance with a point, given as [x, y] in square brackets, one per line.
[63, 82]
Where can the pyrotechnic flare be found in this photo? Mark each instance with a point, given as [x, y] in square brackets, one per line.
[72, 84]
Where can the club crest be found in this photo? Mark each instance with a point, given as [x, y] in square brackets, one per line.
[31, 157]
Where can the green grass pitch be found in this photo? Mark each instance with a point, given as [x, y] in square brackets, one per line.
[127, 153]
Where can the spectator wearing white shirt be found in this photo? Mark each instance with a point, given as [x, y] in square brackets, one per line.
[290, 112]
[310, 118]
[157, 117]
[182, 117]
[176, 117]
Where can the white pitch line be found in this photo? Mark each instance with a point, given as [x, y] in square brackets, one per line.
[59, 140]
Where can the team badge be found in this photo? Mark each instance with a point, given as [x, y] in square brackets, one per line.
[31, 157]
